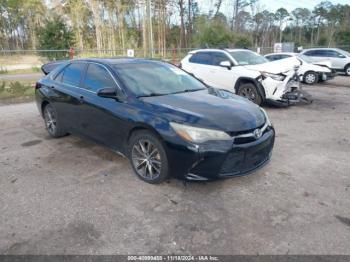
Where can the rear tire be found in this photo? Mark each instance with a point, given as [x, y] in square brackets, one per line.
[250, 92]
[347, 70]
[52, 123]
[148, 157]
[310, 78]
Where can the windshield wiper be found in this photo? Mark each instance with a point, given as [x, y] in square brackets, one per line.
[152, 94]
[188, 90]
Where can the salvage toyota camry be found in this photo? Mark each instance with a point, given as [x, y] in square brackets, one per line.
[164, 120]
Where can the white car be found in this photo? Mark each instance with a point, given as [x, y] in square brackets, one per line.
[247, 74]
[310, 72]
[339, 58]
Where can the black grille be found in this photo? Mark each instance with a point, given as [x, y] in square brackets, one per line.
[243, 160]
[245, 140]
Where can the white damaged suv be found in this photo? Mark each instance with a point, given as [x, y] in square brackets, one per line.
[248, 74]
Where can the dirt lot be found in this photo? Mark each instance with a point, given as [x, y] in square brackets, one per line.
[69, 196]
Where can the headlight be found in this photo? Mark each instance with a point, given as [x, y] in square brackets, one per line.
[277, 77]
[268, 122]
[198, 135]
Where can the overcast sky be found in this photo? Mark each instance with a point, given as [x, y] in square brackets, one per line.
[271, 5]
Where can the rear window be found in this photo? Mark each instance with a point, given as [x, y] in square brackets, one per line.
[273, 57]
[71, 75]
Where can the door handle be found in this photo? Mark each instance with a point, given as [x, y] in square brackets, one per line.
[52, 87]
[81, 99]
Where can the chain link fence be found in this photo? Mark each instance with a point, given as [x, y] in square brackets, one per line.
[31, 60]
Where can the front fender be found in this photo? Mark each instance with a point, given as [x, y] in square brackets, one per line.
[255, 81]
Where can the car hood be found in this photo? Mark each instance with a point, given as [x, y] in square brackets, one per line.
[276, 67]
[211, 108]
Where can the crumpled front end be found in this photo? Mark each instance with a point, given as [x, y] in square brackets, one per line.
[286, 92]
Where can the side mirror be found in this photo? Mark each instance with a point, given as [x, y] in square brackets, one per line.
[108, 92]
[226, 64]
[341, 56]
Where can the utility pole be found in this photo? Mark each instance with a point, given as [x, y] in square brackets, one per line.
[150, 30]
[235, 15]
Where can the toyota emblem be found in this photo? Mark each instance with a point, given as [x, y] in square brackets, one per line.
[257, 133]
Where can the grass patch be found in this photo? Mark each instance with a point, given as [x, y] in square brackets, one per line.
[16, 91]
[20, 71]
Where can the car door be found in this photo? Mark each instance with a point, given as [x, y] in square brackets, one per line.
[314, 55]
[102, 119]
[338, 60]
[199, 64]
[65, 95]
[223, 77]
[319, 55]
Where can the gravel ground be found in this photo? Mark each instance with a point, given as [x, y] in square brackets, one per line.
[69, 196]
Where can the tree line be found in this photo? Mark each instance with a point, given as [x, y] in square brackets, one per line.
[164, 24]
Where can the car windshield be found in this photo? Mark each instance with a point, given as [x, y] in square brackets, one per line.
[151, 79]
[304, 58]
[248, 58]
[345, 53]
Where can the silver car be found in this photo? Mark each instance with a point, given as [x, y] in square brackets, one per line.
[339, 58]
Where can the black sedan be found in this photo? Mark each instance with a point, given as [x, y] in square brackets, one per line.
[163, 119]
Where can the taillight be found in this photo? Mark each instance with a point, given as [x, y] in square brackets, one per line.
[37, 85]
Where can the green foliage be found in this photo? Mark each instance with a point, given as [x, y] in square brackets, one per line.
[2, 87]
[55, 35]
[343, 37]
[322, 41]
[216, 35]
[3, 70]
[17, 88]
[243, 41]
[212, 33]
[109, 24]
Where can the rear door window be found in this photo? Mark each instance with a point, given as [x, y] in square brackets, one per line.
[71, 75]
[322, 53]
[203, 58]
[97, 77]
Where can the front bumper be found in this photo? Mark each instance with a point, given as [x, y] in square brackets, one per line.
[328, 76]
[223, 159]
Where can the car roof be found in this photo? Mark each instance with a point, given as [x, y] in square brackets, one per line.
[113, 61]
[283, 53]
[321, 48]
[218, 50]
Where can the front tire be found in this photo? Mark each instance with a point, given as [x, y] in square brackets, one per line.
[52, 123]
[310, 78]
[250, 92]
[148, 157]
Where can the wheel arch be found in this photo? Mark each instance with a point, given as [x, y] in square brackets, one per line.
[142, 127]
[346, 66]
[246, 80]
[44, 103]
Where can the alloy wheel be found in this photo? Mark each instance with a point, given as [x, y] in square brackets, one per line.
[310, 78]
[146, 159]
[50, 120]
[249, 93]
